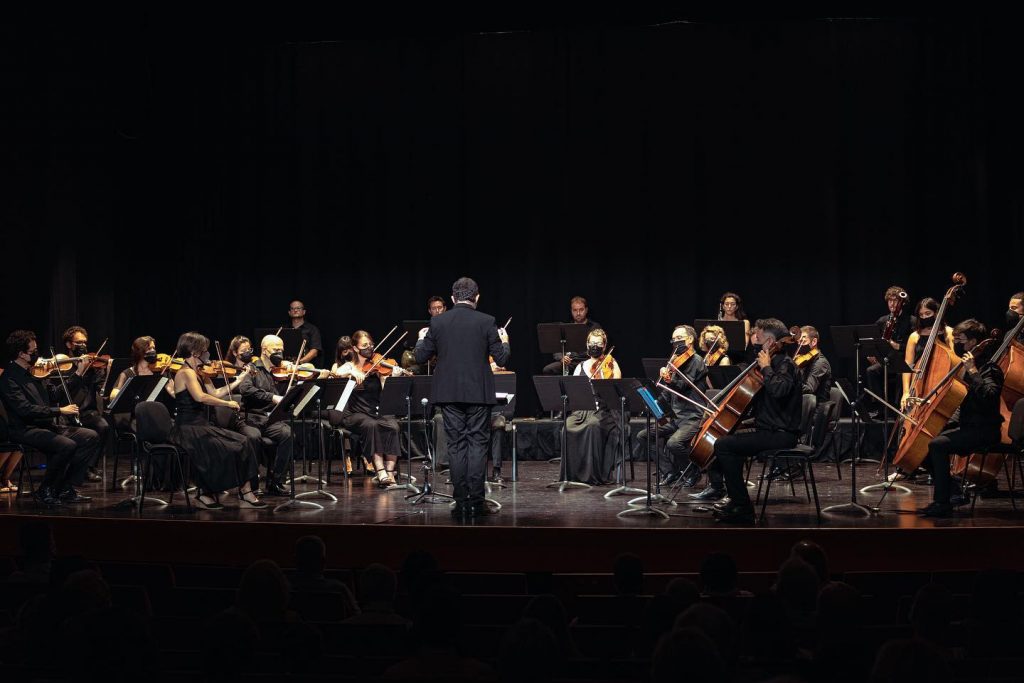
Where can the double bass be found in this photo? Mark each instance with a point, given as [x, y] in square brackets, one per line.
[733, 402]
[935, 392]
[983, 470]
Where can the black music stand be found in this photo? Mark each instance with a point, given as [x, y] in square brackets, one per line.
[735, 332]
[396, 398]
[333, 392]
[621, 392]
[653, 410]
[554, 394]
[849, 340]
[117, 366]
[292, 405]
[892, 361]
[505, 393]
[421, 386]
[136, 390]
[562, 338]
[652, 368]
[290, 337]
[721, 375]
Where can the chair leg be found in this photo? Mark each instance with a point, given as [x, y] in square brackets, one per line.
[184, 481]
[804, 466]
[141, 487]
[814, 488]
[963, 487]
[768, 486]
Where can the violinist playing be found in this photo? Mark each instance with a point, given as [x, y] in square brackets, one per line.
[31, 417]
[145, 361]
[85, 384]
[979, 420]
[815, 374]
[776, 411]
[378, 434]
[345, 368]
[714, 346]
[592, 436]
[678, 432]
[260, 392]
[895, 327]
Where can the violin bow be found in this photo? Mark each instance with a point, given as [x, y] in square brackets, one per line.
[383, 355]
[56, 365]
[223, 372]
[295, 368]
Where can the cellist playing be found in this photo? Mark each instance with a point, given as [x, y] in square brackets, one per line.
[979, 415]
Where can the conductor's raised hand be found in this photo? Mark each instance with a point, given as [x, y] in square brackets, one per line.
[423, 332]
[503, 335]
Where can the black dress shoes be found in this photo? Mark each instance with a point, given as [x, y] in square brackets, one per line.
[275, 489]
[460, 512]
[671, 478]
[937, 510]
[92, 475]
[480, 509]
[69, 495]
[690, 480]
[710, 493]
[735, 514]
[45, 495]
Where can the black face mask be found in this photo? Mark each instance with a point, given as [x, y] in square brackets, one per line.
[594, 351]
[149, 356]
[276, 358]
[367, 352]
[924, 323]
[958, 349]
[1012, 318]
[679, 348]
[245, 356]
[78, 349]
[33, 357]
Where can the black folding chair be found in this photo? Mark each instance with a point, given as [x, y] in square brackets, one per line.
[153, 427]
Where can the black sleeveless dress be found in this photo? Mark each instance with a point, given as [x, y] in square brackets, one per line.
[219, 459]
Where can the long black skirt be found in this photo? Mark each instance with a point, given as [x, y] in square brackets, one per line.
[219, 459]
[592, 446]
[376, 434]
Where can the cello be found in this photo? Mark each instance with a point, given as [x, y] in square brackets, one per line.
[935, 392]
[733, 403]
[983, 470]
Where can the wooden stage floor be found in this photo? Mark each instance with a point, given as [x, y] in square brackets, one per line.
[539, 529]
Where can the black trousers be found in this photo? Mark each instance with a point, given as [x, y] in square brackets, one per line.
[675, 455]
[732, 451]
[96, 422]
[467, 428]
[68, 451]
[440, 443]
[284, 443]
[961, 441]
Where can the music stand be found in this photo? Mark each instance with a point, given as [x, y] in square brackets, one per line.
[848, 343]
[136, 390]
[291, 406]
[290, 337]
[721, 375]
[553, 395]
[395, 398]
[421, 386]
[562, 338]
[505, 393]
[653, 410]
[117, 366]
[413, 327]
[652, 369]
[892, 362]
[622, 392]
[735, 332]
[333, 392]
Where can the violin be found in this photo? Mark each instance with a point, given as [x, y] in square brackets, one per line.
[96, 360]
[890, 323]
[47, 367]
[803, 359]
[380, 365]
[304, 371]
[604, 366]
[217, 368]
[676, 362]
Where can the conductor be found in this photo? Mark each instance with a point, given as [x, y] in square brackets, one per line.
[463, 388]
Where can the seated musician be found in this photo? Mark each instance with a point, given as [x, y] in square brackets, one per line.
[1014, 311]
[32, 421]
[85, 384]
[776, 410]
[580, 314]
[714, 346]
[815, 378]
[678, 432]
[918, 339]
[902, 327]
[260, 392]
[378, 434]
[345, 368]
[979, 417]
[143, 355]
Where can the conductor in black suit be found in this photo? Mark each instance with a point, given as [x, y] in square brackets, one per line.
[463, 387]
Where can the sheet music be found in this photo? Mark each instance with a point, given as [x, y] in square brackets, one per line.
[346, 394]
[159, 387]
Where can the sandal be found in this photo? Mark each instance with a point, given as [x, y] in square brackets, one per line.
[213, 505]
[382, 480]
[390, 477]
[254, 504]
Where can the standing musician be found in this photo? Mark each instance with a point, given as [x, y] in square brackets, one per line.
[592, 436]
[435, 306]
[260, 393]
[815, 377]
[463, 387]
[979, 421]
[730, 307]
[28, 401]
[378, 433]
[85, 384]
[580, 314]
[926, 310]
[310, 332]
[678, 432]
[776, 411]
[219, 459]
[897, 325]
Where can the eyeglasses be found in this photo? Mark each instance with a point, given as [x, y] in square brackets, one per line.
[293, 308]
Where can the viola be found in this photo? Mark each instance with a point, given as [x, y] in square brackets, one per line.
[805, 358]
[676, 362]
[47, 367]
[604, 366]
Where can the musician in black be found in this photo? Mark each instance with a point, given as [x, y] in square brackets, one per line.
[815, 378]
[32, 421]
[978, 425]
[580, 314]
[310, 332]
[776, 412]
[260, 393]
[85, 385]
[678, 432]
[1014, 311]
[903, 325]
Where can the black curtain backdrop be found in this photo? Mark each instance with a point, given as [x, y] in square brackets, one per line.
[162, 177]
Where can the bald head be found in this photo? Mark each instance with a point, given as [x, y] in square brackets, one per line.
[271, 343]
